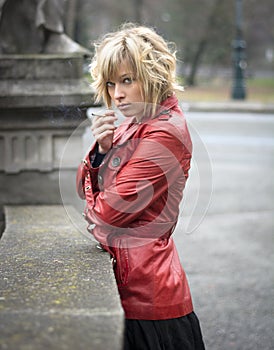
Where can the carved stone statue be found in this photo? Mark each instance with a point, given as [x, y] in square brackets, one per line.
[35, 26]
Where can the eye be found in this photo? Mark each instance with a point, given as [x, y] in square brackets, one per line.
[127, 80]
[109, 84]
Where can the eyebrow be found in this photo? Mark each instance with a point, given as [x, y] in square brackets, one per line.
[125, 75]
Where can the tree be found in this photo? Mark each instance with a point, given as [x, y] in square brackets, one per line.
[203, 30]
[216, 22]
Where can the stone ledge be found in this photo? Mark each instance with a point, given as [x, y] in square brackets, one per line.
[41, 66]
[29, 81]
[57, 290]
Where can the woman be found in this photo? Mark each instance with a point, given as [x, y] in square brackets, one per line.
[133, 178]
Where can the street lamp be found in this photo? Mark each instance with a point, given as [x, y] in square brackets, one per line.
[239, 58]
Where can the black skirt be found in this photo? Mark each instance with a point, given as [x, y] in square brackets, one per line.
[183, 333]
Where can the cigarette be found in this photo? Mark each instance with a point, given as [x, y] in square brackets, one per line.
[97, 115]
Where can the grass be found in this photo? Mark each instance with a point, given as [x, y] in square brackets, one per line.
[257, 90]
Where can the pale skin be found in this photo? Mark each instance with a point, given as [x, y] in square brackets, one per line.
[126, 93]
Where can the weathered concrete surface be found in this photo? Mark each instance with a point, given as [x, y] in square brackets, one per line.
[57, 290]
[29, 81]
[43, 103]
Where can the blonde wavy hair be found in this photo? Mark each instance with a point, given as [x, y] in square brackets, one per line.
[151, 58]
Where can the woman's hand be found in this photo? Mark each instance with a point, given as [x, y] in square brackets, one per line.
[103, 130]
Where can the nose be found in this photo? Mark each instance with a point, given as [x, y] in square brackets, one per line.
[118, 92]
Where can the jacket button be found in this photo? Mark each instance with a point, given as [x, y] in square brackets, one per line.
[100, 179]
[116, 161]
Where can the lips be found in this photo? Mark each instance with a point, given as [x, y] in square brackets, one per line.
[123, 106]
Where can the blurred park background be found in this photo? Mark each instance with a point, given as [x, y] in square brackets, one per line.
[203, 32]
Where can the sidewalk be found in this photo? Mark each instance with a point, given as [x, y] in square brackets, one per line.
[225, 234]
[229, 106]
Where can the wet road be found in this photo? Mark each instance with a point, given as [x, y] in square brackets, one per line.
[225, 232]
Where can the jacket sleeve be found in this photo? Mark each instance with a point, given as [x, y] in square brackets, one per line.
[84, 171]
[158, 160]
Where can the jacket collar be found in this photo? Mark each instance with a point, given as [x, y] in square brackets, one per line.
[169, 103]
[130, 126]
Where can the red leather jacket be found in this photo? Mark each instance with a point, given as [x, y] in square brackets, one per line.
[133, 204]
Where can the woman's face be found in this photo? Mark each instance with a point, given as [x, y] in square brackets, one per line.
[126, 92]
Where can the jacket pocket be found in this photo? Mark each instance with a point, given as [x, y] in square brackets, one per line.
[121, 263]
[176, 264]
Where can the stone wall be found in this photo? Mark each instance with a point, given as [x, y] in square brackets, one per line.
[57, 290]
[43, 103]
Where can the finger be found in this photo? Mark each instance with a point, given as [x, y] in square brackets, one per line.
[106, 122]
[98, 121]
[98, 116]
[104, 136]
[97, 129]
[100, 133]
[109, 112]
[105, 133]
[103, 114]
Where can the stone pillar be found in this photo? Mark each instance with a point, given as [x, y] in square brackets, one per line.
[43, 100]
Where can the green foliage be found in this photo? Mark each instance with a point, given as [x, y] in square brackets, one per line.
[262, 83]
